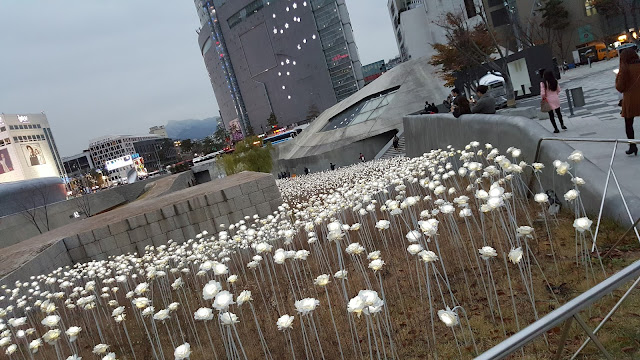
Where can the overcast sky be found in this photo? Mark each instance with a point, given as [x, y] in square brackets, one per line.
[120, 66]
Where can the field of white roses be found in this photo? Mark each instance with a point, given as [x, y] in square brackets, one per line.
[440, 256]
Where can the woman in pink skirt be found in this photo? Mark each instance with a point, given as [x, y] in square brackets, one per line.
[550, 91]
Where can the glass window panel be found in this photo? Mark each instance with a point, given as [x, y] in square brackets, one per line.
[376, 113]
[372, 104]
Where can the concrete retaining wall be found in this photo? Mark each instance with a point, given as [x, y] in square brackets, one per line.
[18, 227]
[426, 132]
[177, 216]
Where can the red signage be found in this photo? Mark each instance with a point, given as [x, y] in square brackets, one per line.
[340, 57]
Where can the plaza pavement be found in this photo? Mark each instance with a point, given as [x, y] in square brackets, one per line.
[599, 118]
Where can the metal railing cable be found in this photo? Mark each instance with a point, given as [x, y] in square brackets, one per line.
[570, 311]
[567, 311]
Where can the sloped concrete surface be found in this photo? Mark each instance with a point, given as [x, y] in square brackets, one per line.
[178, 215]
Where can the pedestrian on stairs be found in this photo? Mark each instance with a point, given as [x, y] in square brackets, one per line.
[396, 141]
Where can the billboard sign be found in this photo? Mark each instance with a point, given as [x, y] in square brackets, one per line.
[119, 162]
[235, 130]
[33, 153]
[5, 161]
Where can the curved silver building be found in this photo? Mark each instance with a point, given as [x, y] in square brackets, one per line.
[294, 58]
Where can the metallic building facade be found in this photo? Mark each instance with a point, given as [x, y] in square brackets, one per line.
[288, 57]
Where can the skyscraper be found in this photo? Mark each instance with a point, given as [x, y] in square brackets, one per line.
[277, 56]
[415, 23]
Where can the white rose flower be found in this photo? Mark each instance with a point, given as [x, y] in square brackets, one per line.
[448, 317]
[141, 288]
[285, 322]
[51, 336]
[211, 289]
[245, 296]
[487, 252]
[11, 349]
[576, 156]
[161, 315]
[414, 249]
[541, 198]
[466, 212]
[73, 332]
[342, 274]
[355, 249]
[228, 318]
[571, 195]
[376, 264]
[413, 236]
[524, 230]
[182, 352]
[562, 168]
[204, 314]
[306, 305]
[51, 321]
[223, 300]
[322, 280]
[35, 345]
[383, 224]
[578, 181]
[141, 302]
[515, 255]
[428, 256]
[582, 224]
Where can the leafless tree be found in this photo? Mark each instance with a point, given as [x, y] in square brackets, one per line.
[83, 204]
[34, 204]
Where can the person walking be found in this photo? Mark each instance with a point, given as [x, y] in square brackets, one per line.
[333, 166]
[550, 92]
[361, 157]
[628, 83]
[396, 141]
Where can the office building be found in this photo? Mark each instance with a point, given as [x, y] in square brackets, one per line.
[414, 23]
[373, 71]
[158, 130]
[156, 153]
[116, 155]
[27, 148]
[79, 164]
[277, 56]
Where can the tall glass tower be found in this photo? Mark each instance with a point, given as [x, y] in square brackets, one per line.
[286, 57]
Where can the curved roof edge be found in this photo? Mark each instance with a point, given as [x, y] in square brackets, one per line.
[416, 82]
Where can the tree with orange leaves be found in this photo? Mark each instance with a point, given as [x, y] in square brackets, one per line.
[470, 47]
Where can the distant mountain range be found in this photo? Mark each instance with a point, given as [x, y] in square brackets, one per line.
[191, 128]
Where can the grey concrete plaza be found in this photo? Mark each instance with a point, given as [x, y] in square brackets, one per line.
[599, 118]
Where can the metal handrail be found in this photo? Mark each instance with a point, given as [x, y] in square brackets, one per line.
[629, 141]
[596, 140]
[566, 311]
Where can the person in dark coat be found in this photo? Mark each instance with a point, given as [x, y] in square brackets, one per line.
[628, 83]
[485, 104]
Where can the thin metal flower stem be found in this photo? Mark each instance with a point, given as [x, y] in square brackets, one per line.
[333, 320]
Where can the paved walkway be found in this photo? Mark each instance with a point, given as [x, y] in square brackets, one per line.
[599, 118]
